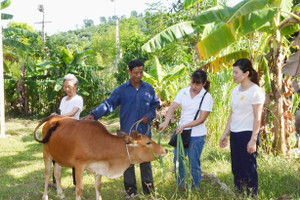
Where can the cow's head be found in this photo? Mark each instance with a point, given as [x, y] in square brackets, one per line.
[141, 148]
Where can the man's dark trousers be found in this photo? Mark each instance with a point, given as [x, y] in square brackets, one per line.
[146, 177]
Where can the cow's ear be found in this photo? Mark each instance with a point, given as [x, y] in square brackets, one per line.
[121, 133]
[128, 139]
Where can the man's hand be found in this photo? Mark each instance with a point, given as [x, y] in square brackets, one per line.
[89, 117]
[145, 120]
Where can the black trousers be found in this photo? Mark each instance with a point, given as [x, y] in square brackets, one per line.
[243, 165]
[146, 177]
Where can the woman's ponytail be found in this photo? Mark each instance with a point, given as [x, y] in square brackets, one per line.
[207, 85]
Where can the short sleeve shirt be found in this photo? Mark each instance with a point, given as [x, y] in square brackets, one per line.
[242, 102]
[67, 106]
[189, 107]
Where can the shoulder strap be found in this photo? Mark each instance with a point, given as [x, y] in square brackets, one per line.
[199, 106]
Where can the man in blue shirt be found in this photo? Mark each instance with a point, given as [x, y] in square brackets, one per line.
[137, 101]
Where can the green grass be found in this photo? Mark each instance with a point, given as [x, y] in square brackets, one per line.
[22, 171]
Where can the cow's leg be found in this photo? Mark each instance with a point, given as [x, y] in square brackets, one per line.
[47, 162]
[98, 186]
[57, 174]
[78, 177]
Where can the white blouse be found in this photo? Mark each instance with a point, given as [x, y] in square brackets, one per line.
[189, 107]
[67, 106]
[242, 107]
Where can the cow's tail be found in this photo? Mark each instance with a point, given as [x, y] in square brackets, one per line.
[49, 133]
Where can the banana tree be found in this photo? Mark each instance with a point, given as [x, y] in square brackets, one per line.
[164, 81]
[224, 27]
[17, 49]
[67, 61]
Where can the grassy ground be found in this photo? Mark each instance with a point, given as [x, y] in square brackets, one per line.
[22, 171]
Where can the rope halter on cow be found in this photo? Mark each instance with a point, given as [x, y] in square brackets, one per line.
[128, 154]
[136, 124]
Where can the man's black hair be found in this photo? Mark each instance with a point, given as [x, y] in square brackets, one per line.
[135, 63]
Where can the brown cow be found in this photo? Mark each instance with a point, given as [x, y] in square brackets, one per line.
[86, 144]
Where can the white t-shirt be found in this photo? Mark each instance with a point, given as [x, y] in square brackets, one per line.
[67, 106]
[189, 107]
[241, 105]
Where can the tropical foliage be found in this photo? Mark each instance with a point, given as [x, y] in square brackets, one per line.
[254, 29]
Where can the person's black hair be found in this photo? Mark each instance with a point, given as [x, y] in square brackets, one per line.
[135, 63]
[246, 66]
[200, 77]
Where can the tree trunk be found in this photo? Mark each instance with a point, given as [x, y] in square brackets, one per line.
[263, 132]
[22, 101]
[276, 64]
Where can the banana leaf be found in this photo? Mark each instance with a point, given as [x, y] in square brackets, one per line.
[5, 16]
[183, 30]
[5, 4]
[157, 70]
[289, 30]
[267, 79]
[296, 8]
[174, 33]
[285, 5]
[219, 13]
[177, 72]
[77, 56]
[292, 67]
[225, 61]
[82, 81]
[16, 44]
[148, 78]
[15, 70]
[231, 32]
[67, 56]
[19, 31]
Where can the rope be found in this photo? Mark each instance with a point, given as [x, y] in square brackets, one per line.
[128, 154]
[136, 124]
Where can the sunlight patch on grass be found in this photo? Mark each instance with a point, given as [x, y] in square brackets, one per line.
[26, 167]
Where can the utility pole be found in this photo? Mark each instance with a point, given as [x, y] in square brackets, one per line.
[119, 52]
[2, 106]
[42, 10]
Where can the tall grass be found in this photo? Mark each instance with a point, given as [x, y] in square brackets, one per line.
[221, 87]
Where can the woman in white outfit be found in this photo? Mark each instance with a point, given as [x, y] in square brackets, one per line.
[243, 126]
[71, 105]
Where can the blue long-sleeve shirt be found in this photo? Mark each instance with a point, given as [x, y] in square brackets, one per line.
[134, 104]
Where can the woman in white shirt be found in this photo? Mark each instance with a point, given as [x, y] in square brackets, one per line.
[71, 105]
[243, 124]
[189, 99]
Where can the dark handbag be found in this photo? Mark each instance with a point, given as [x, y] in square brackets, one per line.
[186, 134]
